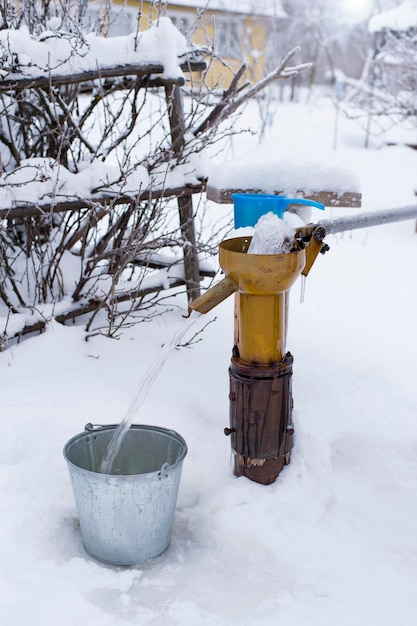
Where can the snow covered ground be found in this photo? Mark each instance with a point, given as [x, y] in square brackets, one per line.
[333, 541]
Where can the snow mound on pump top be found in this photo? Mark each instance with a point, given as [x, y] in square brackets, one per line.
[271, 236]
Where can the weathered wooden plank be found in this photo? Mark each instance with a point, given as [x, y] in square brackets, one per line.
[156, 264]
[58, 80]
[34, 210]
[84, 308]
[326, 197]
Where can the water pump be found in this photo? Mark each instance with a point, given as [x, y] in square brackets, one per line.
[260, 372]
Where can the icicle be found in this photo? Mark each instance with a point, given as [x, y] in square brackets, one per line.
[303, 288]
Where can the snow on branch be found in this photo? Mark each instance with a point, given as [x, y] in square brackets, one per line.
[22, 55]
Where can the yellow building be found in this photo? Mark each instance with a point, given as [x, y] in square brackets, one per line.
[236, 31]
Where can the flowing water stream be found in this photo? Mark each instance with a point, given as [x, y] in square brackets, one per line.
[142, 391]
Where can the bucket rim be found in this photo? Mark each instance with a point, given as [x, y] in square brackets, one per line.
[97, 428]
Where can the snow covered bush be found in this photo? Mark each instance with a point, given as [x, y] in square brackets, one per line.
[99, 161]
[86, 158]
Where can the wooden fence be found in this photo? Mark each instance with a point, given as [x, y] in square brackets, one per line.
[144, 77]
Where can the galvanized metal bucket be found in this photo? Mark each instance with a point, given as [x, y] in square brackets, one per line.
[127, 516]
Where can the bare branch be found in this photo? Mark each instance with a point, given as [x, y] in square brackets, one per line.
[228, 106]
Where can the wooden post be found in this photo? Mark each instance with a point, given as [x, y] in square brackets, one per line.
[185, 204]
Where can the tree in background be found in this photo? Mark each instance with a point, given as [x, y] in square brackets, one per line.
[385, 96]
[329, 36]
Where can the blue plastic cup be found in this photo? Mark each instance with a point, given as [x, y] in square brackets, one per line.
[249, 207]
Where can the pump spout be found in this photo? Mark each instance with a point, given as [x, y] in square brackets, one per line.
[214, 295]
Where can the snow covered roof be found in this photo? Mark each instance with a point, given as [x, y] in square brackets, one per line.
[270, 8]
[401, 18]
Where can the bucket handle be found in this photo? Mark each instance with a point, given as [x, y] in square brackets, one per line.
[164, 471]
[92, 427]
